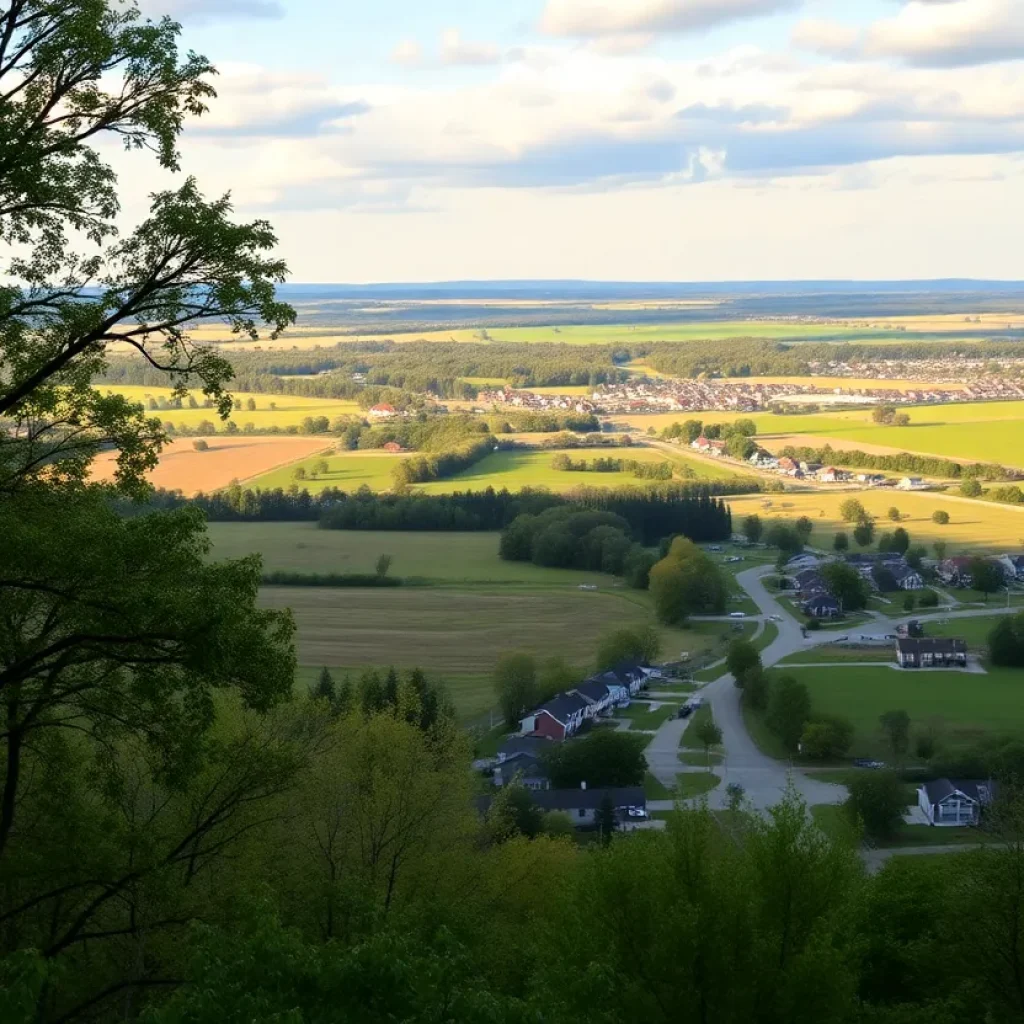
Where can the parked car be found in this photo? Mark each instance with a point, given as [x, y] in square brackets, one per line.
[737, 615]
[685, 711]
[866, 762]
[775, 618]
[840, 639]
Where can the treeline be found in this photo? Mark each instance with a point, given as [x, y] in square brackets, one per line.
[904, 462]
[331, 579]
[641, 470]
[694, 509]
[443, 464]
[535, 422]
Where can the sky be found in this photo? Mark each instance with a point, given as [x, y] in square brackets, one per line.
[427, 140]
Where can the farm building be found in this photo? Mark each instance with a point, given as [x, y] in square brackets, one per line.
[930, 652]
[382, 411]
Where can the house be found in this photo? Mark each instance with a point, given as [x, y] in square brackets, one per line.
[950, 802]
[811, 468]
[787, 465]
[871, 479]
[831, 475]
[382, 411]
[393, 446]
[955, 572]
[809, 583]
[533, 746]
[911, 483]
[583, 805]
[931, 651]
[1012, 566]
[558, 719]
[528, 768]
[597, 695]
[628, 674]
[822, 606]
[905, 577]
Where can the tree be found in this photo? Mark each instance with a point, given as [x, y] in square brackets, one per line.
[740, 447]
[841, 542]
[939, 547]
[756, 689]
[324, 688]
[825, 738]
[853, 511]
[513, 813]
[785, 538]
[864, 533]
[628, 645]
[940, 517]
[846, 585]
[789, 708]
[804, 528]
[883, 413]
[604, 758]
[708, 735]
[686, 582]
[1006, 642]
[901, 419]
[299, 473]
[250, 404]
[692, 429]
[383, 566]
[741, 659]
[877, 801]
[201, 445]
[986, 575]
[908, 602]
[321, 466]
[970, 488]
[896, 726]
[928, 599]
[753, 528]
[884, 579]
[900, 543]
[606, 820]
[515, 683]
[894, 514]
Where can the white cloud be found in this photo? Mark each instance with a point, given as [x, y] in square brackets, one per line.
[459, 51]
[827, 37]
[595, 18]
[408, 53]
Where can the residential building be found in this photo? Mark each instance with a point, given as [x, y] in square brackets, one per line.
[526, 768]
[954, 802]
[931, 652]
[583, 805]
[597, 695]
[912, 483]
[906, 578]
[955, 572]
[382, 411]
[822, 606]
[558, 719]
[831, 475]
[533, 746]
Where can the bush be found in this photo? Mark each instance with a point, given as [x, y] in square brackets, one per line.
[928, 599]
[200, 445]
[940, 517]
[826, 737]
[877, 800]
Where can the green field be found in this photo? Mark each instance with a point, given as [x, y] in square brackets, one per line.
[974, 431]
[288, 411]
[516, 469]
[961, 705]
[457, 634]
[615, 334]
[973, 525]
[444, 557]
[348, 471]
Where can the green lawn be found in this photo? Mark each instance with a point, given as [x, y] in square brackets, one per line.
[833, 820]
[839, 654]
[698, 759]
[654, 789]
[961, 705]
[519, 468]
[689, 740]
[768, 636]
[690, 785]
[974, 630]
[766, 740]
[645, 720]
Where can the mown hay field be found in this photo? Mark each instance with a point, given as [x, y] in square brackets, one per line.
[973, 525]
[230, 457]
[458, 635]
[271, 410]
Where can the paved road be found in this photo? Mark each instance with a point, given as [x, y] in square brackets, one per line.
[763, 778]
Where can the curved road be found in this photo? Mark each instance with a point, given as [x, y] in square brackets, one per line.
[763, 778]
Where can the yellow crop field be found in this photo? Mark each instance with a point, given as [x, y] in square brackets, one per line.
[973, 524]
[271, 410]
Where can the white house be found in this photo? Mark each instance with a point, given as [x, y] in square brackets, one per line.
[912, 483]
[952, 802]
[596, 694]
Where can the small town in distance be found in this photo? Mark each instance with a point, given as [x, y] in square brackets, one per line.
[511, 513]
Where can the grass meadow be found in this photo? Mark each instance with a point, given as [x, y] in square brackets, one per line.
[973, 525]
[288, 411]
[347, 471]
[975, 431]
[457, 634]
[961, 706]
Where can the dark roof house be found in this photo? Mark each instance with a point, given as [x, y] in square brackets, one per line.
[929, 651]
